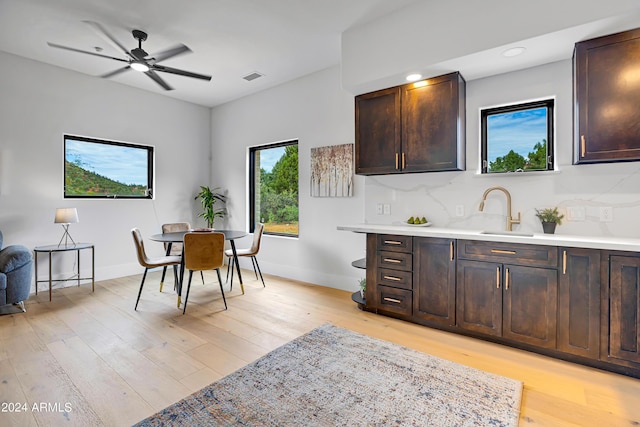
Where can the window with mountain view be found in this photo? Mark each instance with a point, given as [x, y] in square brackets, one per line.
[96, 168]
[273, 192]
[517, 138]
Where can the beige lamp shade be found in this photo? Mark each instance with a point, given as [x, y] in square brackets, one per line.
[66, 216]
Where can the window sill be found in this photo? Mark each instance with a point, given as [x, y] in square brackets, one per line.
[518, 174]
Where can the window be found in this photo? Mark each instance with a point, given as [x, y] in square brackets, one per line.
[273, 192]
[517, 138]
[95, 168]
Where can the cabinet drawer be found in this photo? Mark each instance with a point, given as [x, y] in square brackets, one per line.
[512, 253]
[395, 278]
[393, 300]
[393, 243]
[395, 260]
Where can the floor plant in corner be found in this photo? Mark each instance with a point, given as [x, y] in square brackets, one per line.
[208, 198]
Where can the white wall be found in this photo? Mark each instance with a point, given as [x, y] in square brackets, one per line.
[38, 104]
[436, 195]
[429, 36]
[315, 111]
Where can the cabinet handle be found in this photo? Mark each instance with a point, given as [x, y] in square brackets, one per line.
[396, 301]
[501, 251]
[564, 262]
[582, 146]
[451, 251]
[497, 277]
[396, 161]
[506, 279]
[396, 279]
[391, 260]
[404, 163]
[392, 242]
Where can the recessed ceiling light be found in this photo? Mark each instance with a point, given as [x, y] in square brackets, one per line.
[514, 51]
[414, 77]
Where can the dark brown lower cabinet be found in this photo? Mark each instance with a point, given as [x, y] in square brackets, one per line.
[510, 301]
[576, 304]
[579, 302]
[530, 305]
[624, 309]
[479, 297]
[434, 299]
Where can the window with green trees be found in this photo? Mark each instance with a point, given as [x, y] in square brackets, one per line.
[273, 192]
[517, 138]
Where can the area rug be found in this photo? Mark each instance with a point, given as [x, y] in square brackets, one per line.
[335, 377]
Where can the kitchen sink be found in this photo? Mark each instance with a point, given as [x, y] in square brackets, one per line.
[507, 233]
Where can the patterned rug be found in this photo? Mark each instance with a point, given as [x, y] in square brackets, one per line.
[335, 377]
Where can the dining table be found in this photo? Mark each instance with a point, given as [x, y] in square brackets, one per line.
[178, 237]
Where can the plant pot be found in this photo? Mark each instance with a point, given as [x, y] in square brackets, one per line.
[549, 227]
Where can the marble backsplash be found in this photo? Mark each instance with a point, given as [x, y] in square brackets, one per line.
[575, 189]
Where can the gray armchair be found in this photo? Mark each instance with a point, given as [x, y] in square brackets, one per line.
[15, 274]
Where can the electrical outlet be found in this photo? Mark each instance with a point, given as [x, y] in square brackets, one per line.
[576, 213]
[379, 210]
[387, 209]
[606, 214]
[459, 210]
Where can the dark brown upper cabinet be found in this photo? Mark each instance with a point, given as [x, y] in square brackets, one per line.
[417, 127]
[607, 93]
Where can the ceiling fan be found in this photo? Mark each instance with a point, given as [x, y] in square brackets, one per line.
[138, 59]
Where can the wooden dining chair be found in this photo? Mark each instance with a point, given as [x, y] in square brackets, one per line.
[147, 263]
[176, 248]
[249, 252]
[203, 251]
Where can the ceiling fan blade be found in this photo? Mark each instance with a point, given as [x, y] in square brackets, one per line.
[116, 72]
[156, 78]
[108, 35]
[157, 67]
[171, 52]
[73, 49]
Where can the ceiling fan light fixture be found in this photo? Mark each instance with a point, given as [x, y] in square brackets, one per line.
[140, 66]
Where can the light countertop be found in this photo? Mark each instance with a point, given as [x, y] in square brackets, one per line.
[608, 243]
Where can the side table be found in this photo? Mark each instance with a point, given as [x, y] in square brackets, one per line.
[50, 249]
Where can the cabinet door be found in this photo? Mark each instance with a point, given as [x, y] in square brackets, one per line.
[433, 124]
[378, 132]
[607, 97]
[624, 310]
[479, 297]
[434, 279]
[579, 302]
[530, 304]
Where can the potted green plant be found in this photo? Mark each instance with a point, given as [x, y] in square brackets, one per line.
[209, 197]
[550, 217]
[363, 286]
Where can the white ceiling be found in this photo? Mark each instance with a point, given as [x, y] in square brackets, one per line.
[282, 39]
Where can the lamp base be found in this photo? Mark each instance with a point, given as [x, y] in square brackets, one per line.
[66, 237]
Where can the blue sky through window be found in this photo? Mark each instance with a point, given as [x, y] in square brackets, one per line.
[122, 164]
[270, 156]
[518, 131]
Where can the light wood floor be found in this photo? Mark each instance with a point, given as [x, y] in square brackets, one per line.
[113, 366]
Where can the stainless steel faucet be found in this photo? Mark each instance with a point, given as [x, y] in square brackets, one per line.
[510, 220]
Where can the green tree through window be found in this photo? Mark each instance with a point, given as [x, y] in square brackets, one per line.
[274, 188]
[518, 137]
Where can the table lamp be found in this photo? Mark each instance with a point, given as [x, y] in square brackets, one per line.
[66, 216]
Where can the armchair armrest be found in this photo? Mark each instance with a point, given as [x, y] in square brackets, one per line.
[13, 257]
